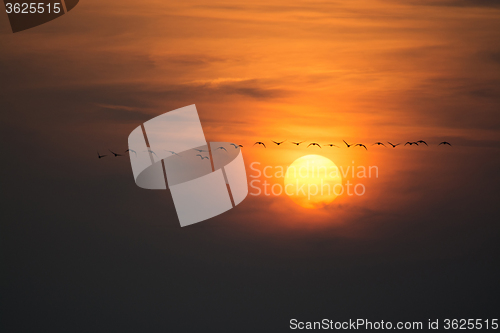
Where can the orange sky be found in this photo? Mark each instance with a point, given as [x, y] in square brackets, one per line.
[363, 71]
[324, 70]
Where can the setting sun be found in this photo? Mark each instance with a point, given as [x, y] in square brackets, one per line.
[313, 181]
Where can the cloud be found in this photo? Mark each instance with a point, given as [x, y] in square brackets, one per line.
[489, 56]
[193, 60]
[314, 7]
[120, 114]
[467, 3]
[129, 103]
[457, 3]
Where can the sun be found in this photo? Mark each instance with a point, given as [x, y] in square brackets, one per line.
[313, 181]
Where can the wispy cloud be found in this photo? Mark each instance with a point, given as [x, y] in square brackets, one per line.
[458, 3]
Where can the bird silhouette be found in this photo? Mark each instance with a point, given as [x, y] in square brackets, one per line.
[201, 150]
[314, 144]
[152, 152]
[128, 150]
[332, 145]
[172, 152]
[361, 145]
[444, 143]
[235, 145]
[278, 143]
[202, 157]
[116, 155]
[241, 146]
[411, 143]
[297, 143]
[260, 143]
[378, 144]
[393, 145]
[422, 141]
[348, 145]
[221, 148]
[101, 156]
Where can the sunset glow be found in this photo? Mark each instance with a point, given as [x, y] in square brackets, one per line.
[313, 181]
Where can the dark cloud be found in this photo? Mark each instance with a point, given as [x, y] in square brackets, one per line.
[468, 86]
[193, 60]
[314, 7]
[452, 102]
[490, 56]
[469, 3]
[457, 3]
[125, 103]
[495, 57]
[119, 114]
[249, 88]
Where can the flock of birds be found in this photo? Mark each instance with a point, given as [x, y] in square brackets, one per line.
[422, 142]
[171, 152]
[352, 144]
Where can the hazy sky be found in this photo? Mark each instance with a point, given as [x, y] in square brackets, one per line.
[83, 243]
